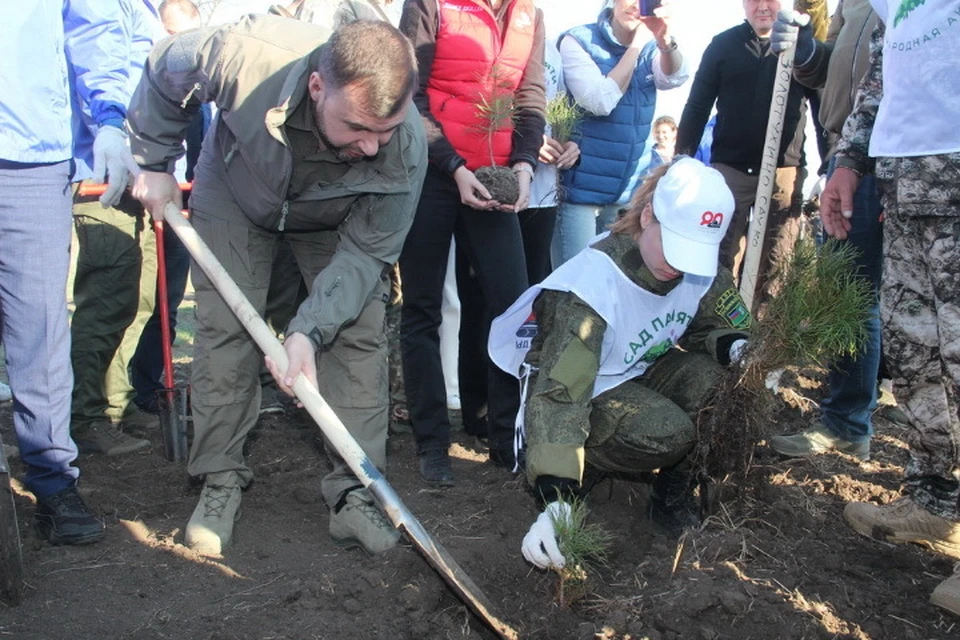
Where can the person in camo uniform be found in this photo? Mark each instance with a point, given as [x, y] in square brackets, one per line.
[607, 386]
[913, 69]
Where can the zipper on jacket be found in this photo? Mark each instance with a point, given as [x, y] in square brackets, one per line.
[196, 87]
[284, 210]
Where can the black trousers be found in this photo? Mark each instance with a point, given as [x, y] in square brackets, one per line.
[536, 228]
[492, 245]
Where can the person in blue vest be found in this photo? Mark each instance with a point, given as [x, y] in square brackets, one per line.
[595, 346]
[613, 69]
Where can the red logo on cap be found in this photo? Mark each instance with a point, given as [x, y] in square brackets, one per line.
[711, 219]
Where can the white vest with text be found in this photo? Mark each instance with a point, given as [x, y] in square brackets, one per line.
[641, 326]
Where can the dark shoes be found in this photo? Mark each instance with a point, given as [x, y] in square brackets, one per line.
[271, 400]
[674, 518]
[435, 467]
[63, 518]
[504, 458]
[106, 438]
[672, 505]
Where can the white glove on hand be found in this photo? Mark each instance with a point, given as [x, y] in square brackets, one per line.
[736, 350]
[113, 162]
[793, 29]
[540, 544]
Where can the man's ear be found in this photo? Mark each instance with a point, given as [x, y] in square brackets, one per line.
[315, 87]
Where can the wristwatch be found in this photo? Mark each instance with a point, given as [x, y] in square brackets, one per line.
[671, 46]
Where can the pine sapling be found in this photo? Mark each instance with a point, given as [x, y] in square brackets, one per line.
[495, 109]
[584, 546]
[818, 316]
[563, 116]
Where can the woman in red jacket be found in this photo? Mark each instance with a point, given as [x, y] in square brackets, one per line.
[468, 51]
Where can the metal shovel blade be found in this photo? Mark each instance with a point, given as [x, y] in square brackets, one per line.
[172, 404]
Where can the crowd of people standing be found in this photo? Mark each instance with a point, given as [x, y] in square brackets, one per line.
[356, 152]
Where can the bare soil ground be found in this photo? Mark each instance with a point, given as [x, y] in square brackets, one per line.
[775, 562]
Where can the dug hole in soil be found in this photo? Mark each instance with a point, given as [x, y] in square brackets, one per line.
[776, 563]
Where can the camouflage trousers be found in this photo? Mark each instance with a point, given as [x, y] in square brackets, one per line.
[648, 423]
[920, 314]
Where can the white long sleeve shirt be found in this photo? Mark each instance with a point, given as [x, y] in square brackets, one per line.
[596, 93]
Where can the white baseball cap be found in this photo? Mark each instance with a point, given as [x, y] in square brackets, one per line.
[694, 207]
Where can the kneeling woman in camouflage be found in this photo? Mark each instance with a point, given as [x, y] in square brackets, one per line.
[619, 347]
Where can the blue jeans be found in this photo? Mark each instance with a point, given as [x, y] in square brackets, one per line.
[576, 226]
[847, 409]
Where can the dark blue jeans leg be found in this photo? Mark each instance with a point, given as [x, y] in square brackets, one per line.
[847, 409]
[146, 368]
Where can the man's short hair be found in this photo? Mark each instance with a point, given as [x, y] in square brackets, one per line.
[188, 8]
[376, 56]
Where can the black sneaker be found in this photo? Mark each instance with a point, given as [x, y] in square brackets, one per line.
[63, 518]
[435, 467]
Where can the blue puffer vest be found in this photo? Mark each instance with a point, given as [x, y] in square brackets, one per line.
[612, 145]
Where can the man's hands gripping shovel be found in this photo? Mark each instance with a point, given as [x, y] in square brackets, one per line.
[160, 194]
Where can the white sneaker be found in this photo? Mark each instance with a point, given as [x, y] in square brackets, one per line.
[210, 529]
[6, 395]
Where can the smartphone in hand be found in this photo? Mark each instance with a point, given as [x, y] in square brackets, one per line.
[647, 6]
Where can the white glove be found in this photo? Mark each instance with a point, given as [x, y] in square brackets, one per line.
[736, 350]
[112, 161]
[540, 544]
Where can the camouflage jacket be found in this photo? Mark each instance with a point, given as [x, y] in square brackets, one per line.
[566, 352]
[854, 144]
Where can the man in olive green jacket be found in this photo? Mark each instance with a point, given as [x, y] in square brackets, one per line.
[315, 142]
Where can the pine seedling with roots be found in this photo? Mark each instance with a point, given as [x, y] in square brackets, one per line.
[818, 316]
[495, 108]
[584, 546]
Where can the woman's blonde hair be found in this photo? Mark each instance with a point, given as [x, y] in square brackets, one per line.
[629, 222]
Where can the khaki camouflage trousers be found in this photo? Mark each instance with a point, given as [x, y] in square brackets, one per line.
[920, 313]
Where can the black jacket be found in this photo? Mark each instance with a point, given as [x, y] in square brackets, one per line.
[737, 72]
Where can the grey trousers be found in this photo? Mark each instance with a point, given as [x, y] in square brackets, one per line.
[351, 371]
[34, 261]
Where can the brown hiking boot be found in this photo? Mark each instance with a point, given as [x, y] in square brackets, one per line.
[947, 594]
[904, 520]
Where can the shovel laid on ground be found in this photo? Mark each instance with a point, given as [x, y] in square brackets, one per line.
[335, 431]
